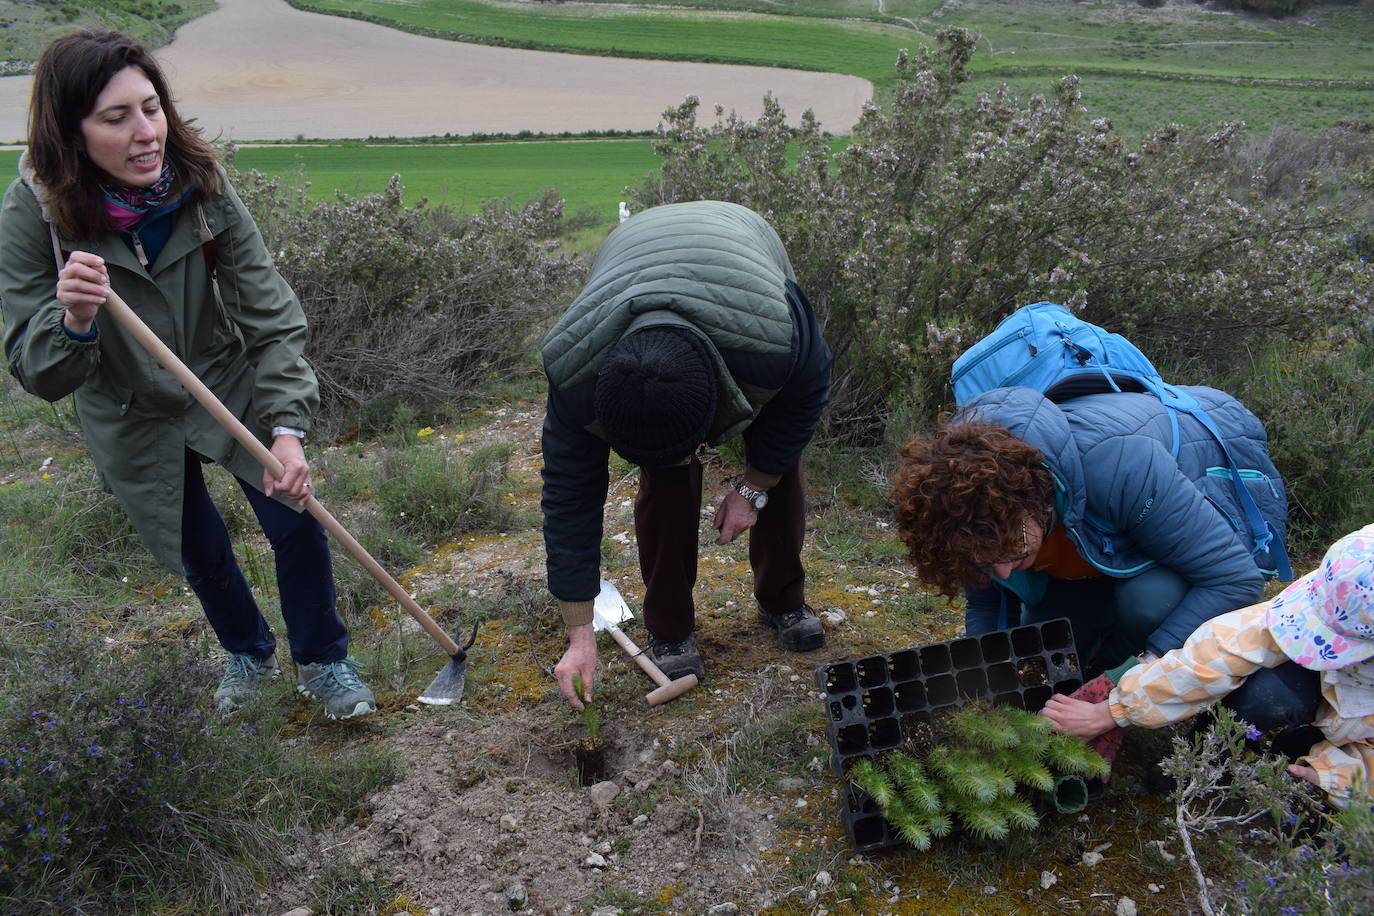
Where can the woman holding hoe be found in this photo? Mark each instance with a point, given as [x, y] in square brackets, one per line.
[116, 190]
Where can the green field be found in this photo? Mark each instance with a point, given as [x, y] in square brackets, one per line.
[865, 49]
[588, 174]
[1186, 62]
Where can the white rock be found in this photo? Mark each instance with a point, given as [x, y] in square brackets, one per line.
[823, 878]
[723, 909]
[1048, 879]
[516, 897]
[603, 793]
[1125, 907]
[640, 820]
[1154, 888]
[300, 910]
[595, 860]
[604, 847]
[510, 823]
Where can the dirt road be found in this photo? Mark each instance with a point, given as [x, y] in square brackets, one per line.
[261, 70]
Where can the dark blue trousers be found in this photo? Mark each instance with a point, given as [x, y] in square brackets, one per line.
[1277, 697]
[1111, 618]
[305, 578]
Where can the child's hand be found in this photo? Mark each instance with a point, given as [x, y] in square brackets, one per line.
[1079, 718]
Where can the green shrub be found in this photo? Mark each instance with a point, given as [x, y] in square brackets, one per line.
[413, 305]
[1314, 401]
[435, 494]
[111, 770]
[67, 540]
[944, 213]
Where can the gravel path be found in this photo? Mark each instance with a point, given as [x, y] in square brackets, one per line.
[261, 70]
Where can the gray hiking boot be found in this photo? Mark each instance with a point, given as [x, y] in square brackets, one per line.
[677, 659]
[338, 685]
[243, 677]
[799, 630]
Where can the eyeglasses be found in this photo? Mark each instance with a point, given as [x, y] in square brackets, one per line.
[1025, 545]
[1025, 549]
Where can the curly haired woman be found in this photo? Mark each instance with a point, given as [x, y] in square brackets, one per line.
[1081, 509]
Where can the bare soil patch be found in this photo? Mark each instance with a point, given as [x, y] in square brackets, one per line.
[722, 801]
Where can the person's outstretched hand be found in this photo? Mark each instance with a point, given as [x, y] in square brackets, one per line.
[579, 659]
[1079, 718]
[734, 516]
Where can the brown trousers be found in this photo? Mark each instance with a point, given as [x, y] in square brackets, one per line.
[668, 528]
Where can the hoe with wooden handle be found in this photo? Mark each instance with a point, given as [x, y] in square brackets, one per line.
[447, 686]
[608, 612]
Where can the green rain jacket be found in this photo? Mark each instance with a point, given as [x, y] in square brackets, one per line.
[241, 332]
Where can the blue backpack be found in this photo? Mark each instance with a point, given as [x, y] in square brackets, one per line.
[1046, 347]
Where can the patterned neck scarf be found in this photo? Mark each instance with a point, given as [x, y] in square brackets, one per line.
[127, 206]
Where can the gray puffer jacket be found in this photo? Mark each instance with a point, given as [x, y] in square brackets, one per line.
[714, 269]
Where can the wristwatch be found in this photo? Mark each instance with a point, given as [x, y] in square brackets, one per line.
[756, 498]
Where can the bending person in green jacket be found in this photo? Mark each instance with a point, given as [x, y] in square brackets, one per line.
[690, 330]
[115, 190]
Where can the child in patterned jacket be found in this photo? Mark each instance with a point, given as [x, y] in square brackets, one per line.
[1306, 656]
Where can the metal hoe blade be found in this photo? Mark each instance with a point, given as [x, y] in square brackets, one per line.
[609, 609]
[447, 686]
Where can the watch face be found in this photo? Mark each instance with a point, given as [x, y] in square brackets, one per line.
[756, 498]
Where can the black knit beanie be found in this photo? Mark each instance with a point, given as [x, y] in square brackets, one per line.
[656, 396]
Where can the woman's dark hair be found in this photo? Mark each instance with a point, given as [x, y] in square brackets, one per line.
[70, 76]
[961, 496]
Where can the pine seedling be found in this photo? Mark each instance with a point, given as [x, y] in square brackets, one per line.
[589, 715]
[985, 727]
[939, 823]
[911, 826]
[980, 818]
[971, 774]
[911, 779]
[1028, 771]
[975, 777]
[866, 775]
[1033, 728]
[1017, 812]
[1070, 755]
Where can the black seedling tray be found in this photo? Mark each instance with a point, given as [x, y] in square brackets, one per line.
[886, 702]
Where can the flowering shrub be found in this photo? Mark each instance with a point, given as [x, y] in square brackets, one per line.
[1238, 811]
[110, 770]
[944, 213]
[413, 304]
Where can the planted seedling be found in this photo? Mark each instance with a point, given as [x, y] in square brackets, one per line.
[589, 753]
